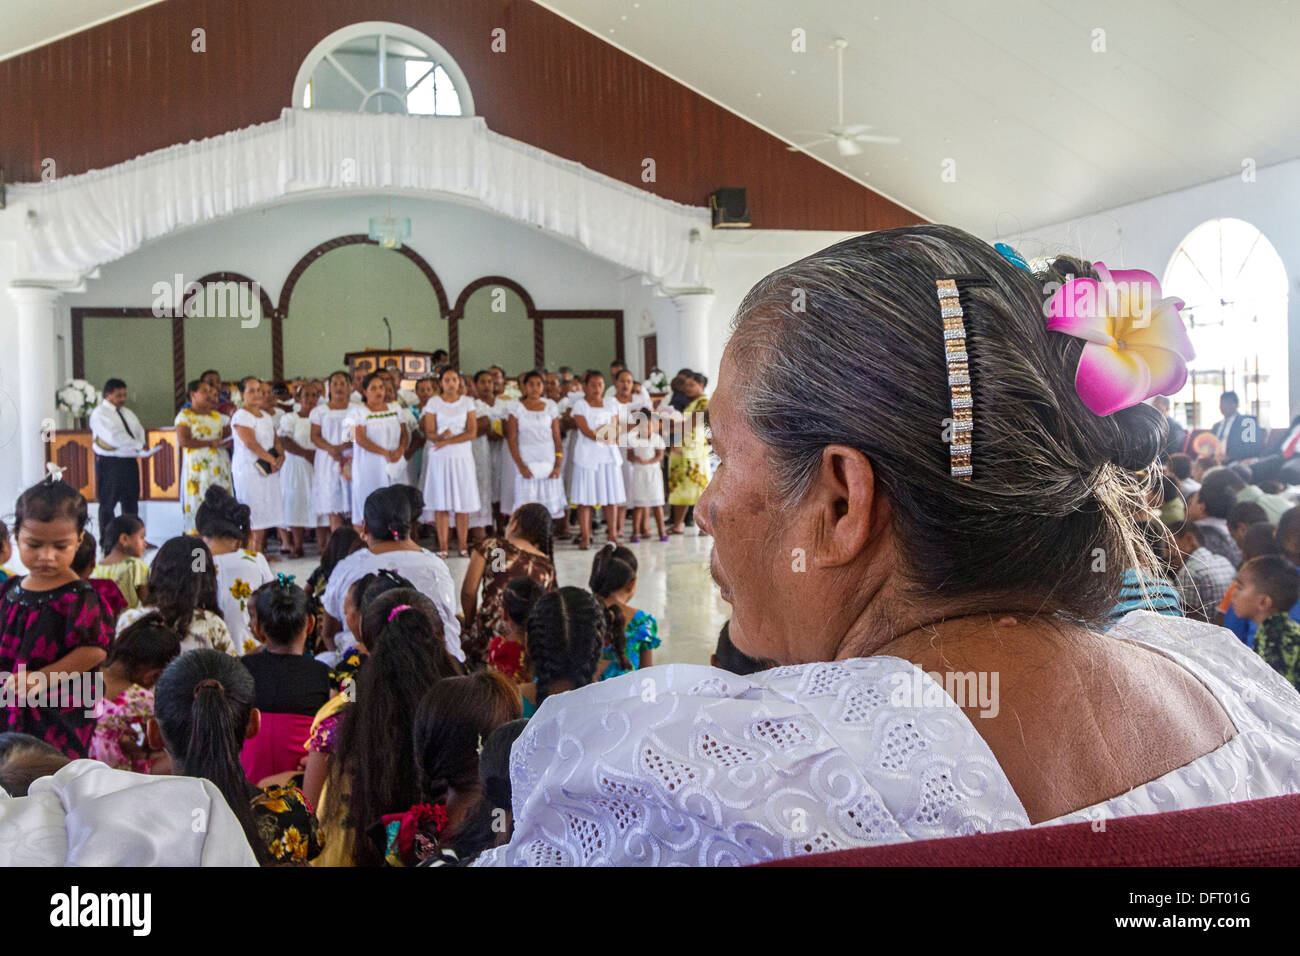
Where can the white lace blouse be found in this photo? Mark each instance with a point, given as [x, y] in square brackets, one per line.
[690, 765]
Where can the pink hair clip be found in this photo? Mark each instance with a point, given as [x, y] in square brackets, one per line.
[396, 611]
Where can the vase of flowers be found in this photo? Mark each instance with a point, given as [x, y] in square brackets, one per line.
[656, 382]
[78, 398]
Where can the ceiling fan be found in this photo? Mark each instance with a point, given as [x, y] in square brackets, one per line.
[845, 138]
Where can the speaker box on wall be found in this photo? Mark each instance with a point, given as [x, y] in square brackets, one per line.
[730, 210]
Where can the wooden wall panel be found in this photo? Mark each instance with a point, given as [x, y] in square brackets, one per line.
[133, 84]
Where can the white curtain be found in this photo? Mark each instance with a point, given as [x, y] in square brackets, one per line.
[88, 220]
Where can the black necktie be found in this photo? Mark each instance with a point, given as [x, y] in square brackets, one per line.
[124, 424]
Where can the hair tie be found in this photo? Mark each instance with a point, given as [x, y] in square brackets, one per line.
[1013, 257]
[396, 536]
[396, 611]
[206, 683]
[284, 580]
[53, 472]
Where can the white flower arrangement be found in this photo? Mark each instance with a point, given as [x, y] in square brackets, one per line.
[408, 398]
[657, 381]
[77, 397]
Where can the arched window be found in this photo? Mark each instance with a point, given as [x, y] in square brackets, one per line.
[378, 67]
[1235, 289]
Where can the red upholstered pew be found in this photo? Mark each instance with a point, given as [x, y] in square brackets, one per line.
[1251, 833]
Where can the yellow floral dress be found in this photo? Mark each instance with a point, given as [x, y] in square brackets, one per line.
[201, 468]
[287, 826]
[688, 463]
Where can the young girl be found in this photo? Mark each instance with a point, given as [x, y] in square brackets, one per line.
[296, 475]
[290, 687]
[331, 492]
[524, 551]
[378, 443]
[83, 563]
[505, 653]
[203, 713]
[134, 664]
[51, 622]
[597, 459]
[258, 459]
[370, 773]
[183, 593]
[633, 634]
[533, 441]
[203, 434]
[453, 823]
[124, 546]
[566, 630]
[450, 423]
[223, 524]
[481, 447]
[342, 542]
[645, 487]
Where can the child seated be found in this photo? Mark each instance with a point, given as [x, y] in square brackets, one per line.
[632, 634]
[505, 652]
[138, 656]
[124, 547]
[289, 687]
[1268, 587]
[6, 551]
[566, 631]
[83, 563]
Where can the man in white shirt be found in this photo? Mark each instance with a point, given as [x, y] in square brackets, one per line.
[118, 441]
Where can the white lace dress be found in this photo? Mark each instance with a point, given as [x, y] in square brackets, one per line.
[690, 765]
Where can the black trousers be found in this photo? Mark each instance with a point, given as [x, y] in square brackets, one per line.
[117, 481]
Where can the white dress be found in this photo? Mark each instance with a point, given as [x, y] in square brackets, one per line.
[497, 449]
[645, 487]
[536, 443]
[482, 469]
[260, 492]
[331, 493]
[450, 482]
[597, 467]
[424, 569]
[296, 475]
[565, 406]
[239, 574]
[370, 471]
[717, 769]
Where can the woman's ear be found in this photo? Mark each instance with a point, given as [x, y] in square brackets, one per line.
[254, 724]
[844, 497]
[153, 733]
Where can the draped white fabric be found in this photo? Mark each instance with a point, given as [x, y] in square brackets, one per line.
[91, 219]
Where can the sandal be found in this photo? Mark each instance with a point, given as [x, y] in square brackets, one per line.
[464, 553]
[441, 554]
[663, 537]
[636, 539]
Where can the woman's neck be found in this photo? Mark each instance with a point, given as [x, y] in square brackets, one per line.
[381, 407]
[222, 545]
[383, 547]
[294, 648]
[339, 403]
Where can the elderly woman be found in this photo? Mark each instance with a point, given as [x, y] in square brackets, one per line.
[955, 676]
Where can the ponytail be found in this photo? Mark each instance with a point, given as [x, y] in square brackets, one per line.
[203, 702]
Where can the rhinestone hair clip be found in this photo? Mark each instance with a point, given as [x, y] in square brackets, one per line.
[963, 412]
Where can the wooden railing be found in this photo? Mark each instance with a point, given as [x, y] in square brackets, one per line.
[73, 451]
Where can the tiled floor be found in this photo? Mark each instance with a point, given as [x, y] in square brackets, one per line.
[673, 584]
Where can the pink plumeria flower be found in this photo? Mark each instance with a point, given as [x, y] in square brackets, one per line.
[1137, 346]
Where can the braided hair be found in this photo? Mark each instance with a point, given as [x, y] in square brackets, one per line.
[533, 522]
[612, 569]
[202, 702]
[566, 630]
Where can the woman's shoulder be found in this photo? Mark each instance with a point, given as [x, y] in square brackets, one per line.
[873, 732]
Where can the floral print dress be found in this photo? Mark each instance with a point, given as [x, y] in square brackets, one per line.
[286, 824]
[201, 468]
[688, 464]
[119, 738]
[38, 628]
[641, 634]
[504, 562]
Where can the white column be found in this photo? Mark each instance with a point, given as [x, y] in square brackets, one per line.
[37, 308]
[693, 307]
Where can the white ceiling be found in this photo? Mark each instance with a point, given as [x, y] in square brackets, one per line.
[1040, 127]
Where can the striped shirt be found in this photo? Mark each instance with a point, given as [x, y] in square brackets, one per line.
[1159, 596]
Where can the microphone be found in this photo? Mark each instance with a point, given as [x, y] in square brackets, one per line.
[390, 333]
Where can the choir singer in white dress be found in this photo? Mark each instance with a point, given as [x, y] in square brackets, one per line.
[330, 489]
[948, 663]
[597, 459]
[449, 420]
[533, 440]
[257, 460]
[378, 444]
